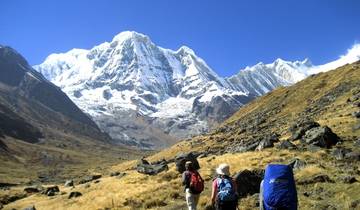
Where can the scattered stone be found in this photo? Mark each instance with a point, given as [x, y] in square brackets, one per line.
[150, 169]
[353, 156]
[316, 179]
[349, 179]
[320, 136]
[286, 145]
[339, 153]
[87, 185]
[115, 173]
[265, 143]
[313, 148]
[74, 195]
[297, 164]
[357, 143]
[90, 178]
[33, 189]
[248, 182]
[30, 208]
[97, 181]
[51, 191]
[69, 183]
[356, 114]
[355, 204]
[181, 159]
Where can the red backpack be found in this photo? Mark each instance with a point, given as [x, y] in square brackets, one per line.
[196, 183]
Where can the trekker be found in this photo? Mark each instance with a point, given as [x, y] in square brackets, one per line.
[278, 189]
[194, 185]
[224, 194]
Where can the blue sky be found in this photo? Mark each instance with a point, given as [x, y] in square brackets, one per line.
[227, 34]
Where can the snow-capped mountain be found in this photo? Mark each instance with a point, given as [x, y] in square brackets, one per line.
[130, 86]
[148, 96]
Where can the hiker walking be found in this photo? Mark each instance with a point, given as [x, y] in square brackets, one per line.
[194, 185]
[224, 191]
[278, 189]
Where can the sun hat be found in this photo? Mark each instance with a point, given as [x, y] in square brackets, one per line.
[223, 169]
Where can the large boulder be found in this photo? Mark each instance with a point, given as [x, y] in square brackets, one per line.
[320, 136]
[248, 181]
[181, 159]
[299, 129]
[151, 169]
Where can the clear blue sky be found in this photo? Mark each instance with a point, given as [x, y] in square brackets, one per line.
[228, 35]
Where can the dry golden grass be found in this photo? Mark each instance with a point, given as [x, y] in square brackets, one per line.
[164, 191]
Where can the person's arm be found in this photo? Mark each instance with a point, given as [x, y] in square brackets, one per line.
[184, 178]
[214, 192]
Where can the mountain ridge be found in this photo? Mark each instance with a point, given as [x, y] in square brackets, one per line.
[173, 91]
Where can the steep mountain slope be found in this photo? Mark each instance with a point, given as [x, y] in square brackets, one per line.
[330, 99]
[39, 125]
[148, 96]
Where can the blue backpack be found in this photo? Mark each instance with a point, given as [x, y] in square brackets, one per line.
[226, 191]
[279, 190]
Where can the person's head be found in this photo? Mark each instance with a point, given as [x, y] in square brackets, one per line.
[223, 170]
[188, 165]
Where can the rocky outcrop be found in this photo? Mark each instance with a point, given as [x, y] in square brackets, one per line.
[299, 129]
[248, 182]
[181, 159]
[320, 136]
[145, 167]
[286, 145]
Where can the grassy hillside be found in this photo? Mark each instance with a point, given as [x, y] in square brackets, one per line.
[327, 98]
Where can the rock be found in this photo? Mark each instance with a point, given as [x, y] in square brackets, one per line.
[320, 136]
[265, 143]
[299, 129]
[181, 159]
[69, 183]
[115, 173]
[297, 164]
[51, 191]
[90, 178]
[353, 156]
[151, 169]
[315, 179]
[87, 185]
[357, 143]
[29, 208]
[355, 204]
[248, 181]
[356, 114]
[349, 179]
[339, 153]
[33, 189]
[286, 145]
[74, 195]
[313, 148]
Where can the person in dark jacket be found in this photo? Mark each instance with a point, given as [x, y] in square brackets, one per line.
[192, 198]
